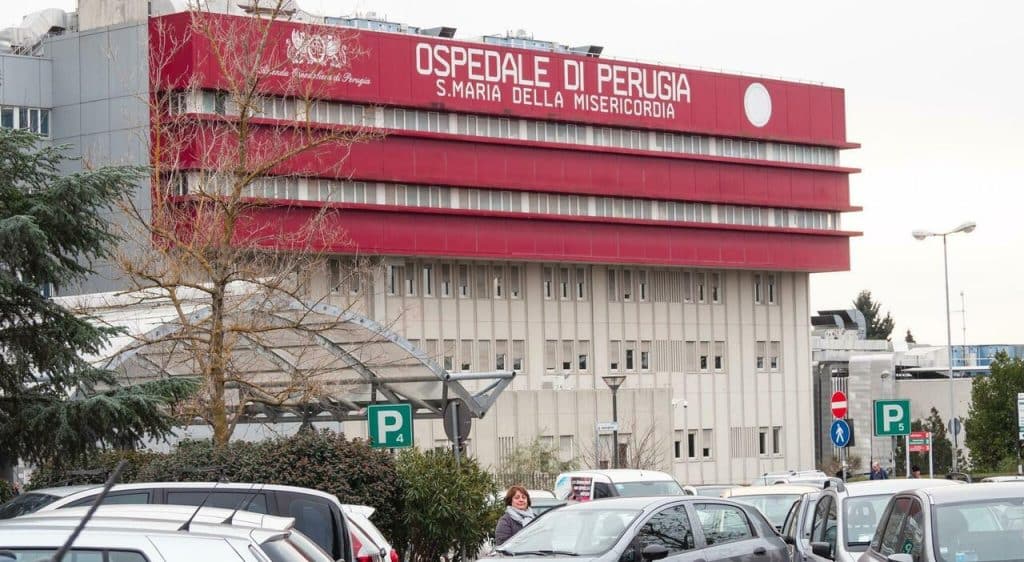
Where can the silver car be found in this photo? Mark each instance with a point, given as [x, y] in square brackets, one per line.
[977, 523]
[637, 529]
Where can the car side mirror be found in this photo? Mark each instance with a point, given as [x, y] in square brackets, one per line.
[654, 552]
[822, 549]
[788, 540]
[900, 557]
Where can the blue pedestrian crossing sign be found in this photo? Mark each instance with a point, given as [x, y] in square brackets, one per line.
[840, 433]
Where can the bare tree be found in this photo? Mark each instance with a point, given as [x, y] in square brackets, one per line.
[218, 234]
[641, 449]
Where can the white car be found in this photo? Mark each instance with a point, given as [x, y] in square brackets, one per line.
[317, 514]
[166, 532]
[585, 485]
[774, 502]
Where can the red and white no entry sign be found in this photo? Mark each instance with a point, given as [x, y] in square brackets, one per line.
[839, 404]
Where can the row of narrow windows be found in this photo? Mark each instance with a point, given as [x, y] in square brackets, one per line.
[505, 201]
[486, 281]
[321, 111]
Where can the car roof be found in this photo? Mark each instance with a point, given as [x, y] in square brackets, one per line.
[136, 539]
[634, 502]
[981, 492]
[168, 512]
[893, 486]
[122, 519]
[221, 486]
[621, 474]
[772, 490]
[64, 491]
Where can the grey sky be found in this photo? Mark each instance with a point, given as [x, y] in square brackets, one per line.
[933, 93]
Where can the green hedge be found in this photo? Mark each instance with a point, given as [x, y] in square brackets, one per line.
[6, 490]
[323, 460]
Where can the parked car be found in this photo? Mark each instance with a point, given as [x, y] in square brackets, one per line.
[585, 485]
[317, 514]
[790, 477]
[368, 544]
[773, 501]
[172, 531]
[1003, 479]
[981, 523]
[796, 529]
[686, 529]
[846, 515]
[712, 490]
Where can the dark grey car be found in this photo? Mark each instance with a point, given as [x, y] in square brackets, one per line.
[679, 528]
[797, 526]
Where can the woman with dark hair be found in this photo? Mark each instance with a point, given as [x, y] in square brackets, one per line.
[517, 514]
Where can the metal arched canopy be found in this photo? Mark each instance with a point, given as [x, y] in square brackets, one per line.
[291, 360]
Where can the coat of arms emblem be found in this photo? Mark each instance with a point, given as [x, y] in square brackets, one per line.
[316, 48]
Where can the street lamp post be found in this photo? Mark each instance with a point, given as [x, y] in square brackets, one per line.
[614, 382]
[966, 227]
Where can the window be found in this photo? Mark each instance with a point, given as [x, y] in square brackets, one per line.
[518, 351]
[889, 536]
[514, 283]
[581, 284]
[761, 350]
[776, 440]
[428, 280]
[687, 287]
[645, 356]
[773, 360]
[550, 348]
[500, 351]
[464, 288]
[700, 287]
[498, 274]
[563, 283]
[677, 447]
[613, 356]
[613, 293]
[705, 442]
[719, 355]
[483, 348]
[669, 528]
[582, 354]
[627, 285]
[256, 503]
[410, 281]
[691, 444]
[824, 525]
[482, 282]
[641, 280]
[446, 280]
[757, 289]
[449, 355]
[333, 275]
[716, 291]
[466, 353]
[566, 355]
[549, 274]
[395, 275]
[771, 289]
[722, 523]
[629, 359]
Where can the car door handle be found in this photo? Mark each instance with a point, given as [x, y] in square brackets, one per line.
[761, 551]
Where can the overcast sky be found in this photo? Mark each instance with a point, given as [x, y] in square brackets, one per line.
[934, 94]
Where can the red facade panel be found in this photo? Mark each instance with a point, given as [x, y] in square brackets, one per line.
[389, 233]
[442, 74]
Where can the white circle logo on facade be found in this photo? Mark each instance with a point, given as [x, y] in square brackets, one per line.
[758, 104]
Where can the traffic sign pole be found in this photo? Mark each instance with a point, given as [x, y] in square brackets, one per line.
[931, 463]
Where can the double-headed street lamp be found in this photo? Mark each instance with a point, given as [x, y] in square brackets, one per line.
[614, 382]
[921, 235]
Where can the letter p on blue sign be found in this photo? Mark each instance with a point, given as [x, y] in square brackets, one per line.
[390, 425]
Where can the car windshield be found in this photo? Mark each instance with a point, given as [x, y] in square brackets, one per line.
[25, 504]
[980, 531]
[650, 488]
[579, 532]
[860, 517]
[773, 506]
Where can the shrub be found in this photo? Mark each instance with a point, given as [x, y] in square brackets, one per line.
[447, 509]
[6, 490]
[93, 469]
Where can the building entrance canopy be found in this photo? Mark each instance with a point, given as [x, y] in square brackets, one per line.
[289, 360]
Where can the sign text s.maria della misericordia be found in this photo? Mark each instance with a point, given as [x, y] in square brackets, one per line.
[479, 73]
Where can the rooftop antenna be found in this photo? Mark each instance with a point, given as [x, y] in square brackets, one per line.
[188, 524]
[244, 502]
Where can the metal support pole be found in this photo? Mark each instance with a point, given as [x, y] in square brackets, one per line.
[615, 432]
[1019, 471]
[931, 462]
[906, 445]
[949, 347]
